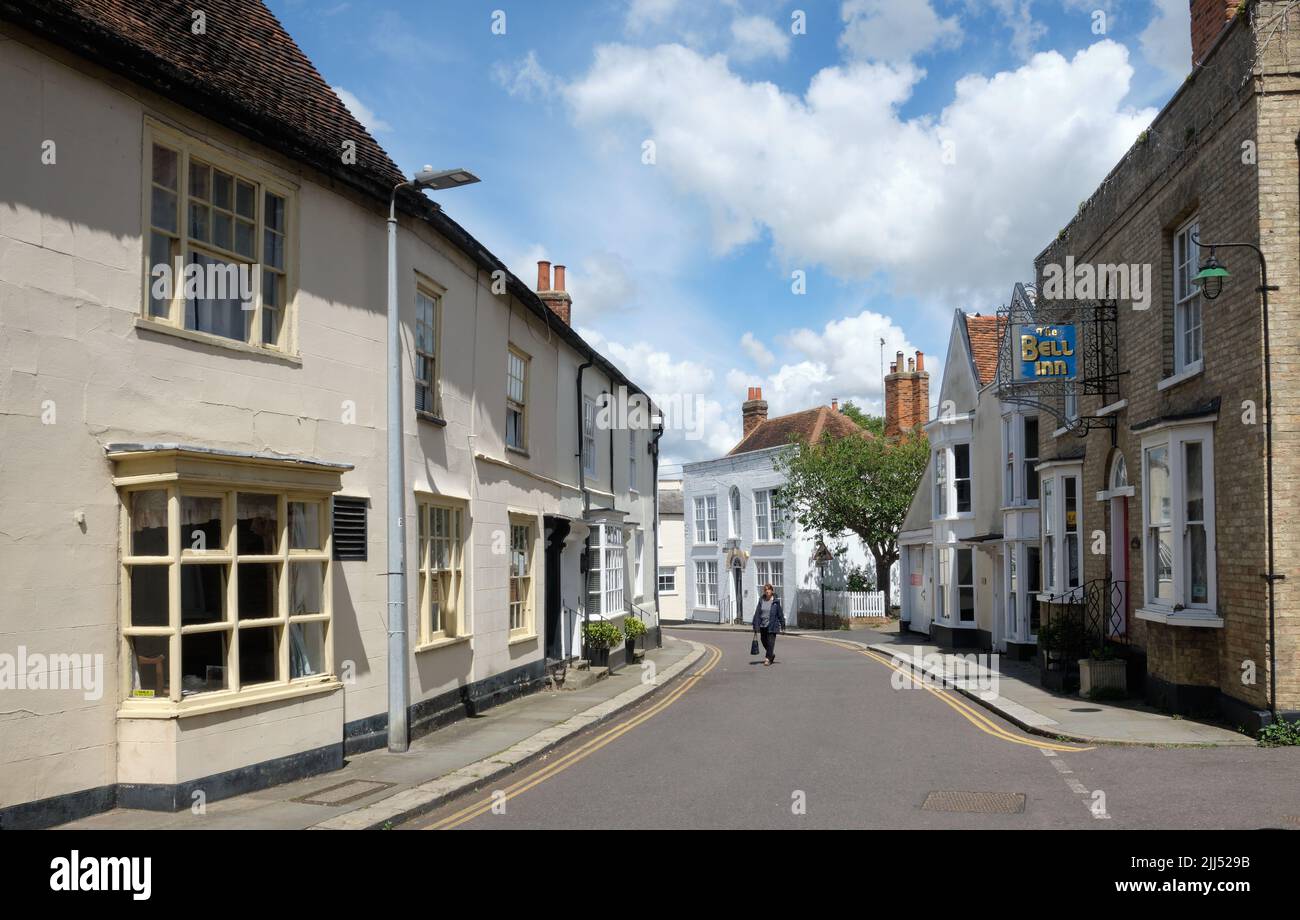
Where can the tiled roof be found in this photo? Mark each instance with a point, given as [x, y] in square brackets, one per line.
[808, 425]
[985, 335]
[245, 71]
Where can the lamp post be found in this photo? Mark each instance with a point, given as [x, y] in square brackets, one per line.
[823, 558]
[398, 688]
[1211, 278]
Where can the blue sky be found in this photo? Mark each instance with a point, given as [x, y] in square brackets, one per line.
[909, 158]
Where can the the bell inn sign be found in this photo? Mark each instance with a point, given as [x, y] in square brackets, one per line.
[1047, 352]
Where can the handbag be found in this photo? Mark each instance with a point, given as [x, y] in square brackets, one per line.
[753, 646]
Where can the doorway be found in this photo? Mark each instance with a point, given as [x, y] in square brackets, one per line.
[557, 530]
[737, 591]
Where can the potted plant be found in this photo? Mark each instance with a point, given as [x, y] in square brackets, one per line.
[598, 637]
[633, 629]
[1103, 673]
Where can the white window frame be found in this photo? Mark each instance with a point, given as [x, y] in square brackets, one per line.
[428, 339]
[959, 586]
[589, 435]
[733, 513]
[670, 573]
[638, 567]
[706, 584]
[1056, 531]
[517, 401]
[442, 537]
[943, 561]
[180, 244]
[969, 479]
[1176, 439]
[706, 519]
[765, 524]
[520, 572]
[1189, 344]
[941, 482]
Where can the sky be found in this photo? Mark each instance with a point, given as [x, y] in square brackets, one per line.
[750, 192]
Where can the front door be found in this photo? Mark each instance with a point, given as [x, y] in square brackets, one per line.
[919, 584]
[557, 529]
[738, 593]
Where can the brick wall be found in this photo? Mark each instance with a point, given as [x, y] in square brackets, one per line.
[1195, 160]
[907, 395]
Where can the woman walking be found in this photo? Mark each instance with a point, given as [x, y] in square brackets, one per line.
[768, 621]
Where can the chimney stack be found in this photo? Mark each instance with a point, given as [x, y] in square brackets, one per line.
[1209, 18]
[907, 395]
[557, 299]
[753, 412]
[835, 404]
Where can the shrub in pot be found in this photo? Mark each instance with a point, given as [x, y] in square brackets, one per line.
[633, 629]
[598, 637]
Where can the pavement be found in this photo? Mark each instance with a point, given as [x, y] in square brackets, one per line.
[826, 739]
[378, 788]
[1012, 690]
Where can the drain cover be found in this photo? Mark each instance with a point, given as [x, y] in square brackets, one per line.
[343, 793]
[975, 803]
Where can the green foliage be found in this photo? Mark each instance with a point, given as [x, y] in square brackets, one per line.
[858, 485]
[633, 628]
[601, 634]
[1280, 734]
[873, 423]
[860, 579]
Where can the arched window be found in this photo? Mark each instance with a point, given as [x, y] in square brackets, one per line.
[1118, 473]
[733, 529]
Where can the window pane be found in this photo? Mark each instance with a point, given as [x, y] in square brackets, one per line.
[200, 181]
[203, 594]
[203, 662]
[1194, 482]
[274, 251]
[221, 188]
[1198, 588]
[1157, 485]
[304, 525]
[149, 523]
[961, 460]
[162, 209]
[150, 666]
[201, 523]
[223, 316]
[306, 649]
[161, 250]
[271, 325]
[966, 604]
[258, 589]
[306, 587]
[1163, 565]
[245, 200]
[257, 526]
[149, 595]
[223, 230]
[198, 225]
[245, 237]
[257, 655]
[164, 167]
[965, 567]
[275, 212]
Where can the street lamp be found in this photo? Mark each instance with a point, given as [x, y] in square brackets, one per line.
[398, 688]
[1211, 279]
[823, 558]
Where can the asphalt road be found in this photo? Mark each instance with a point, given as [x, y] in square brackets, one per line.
[826, 738]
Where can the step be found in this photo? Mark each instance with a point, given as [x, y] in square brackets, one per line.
[578, 680]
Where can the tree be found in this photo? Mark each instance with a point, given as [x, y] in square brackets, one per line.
[859, 485]
[873, 423]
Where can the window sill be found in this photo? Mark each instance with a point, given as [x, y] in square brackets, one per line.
[1182, 376]
[221, 701]
[431, 418]
[520, 640]
[758, 543]
[1198, 617]
[443, 642]
[518, 451]
[204, 338]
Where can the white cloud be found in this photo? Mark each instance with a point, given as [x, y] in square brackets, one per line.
[757, 351]
[1018, 17]
[756, 37]
[361, 112]
[600, 285]
[952, 206]
[887, 30]
[642, 13]
[1167, 39]
[526, 78]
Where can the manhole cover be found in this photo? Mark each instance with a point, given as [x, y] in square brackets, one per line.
[975, 803]
[1085, 709]
[343, 793]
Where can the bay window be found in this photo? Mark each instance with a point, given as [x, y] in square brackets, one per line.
[940, 483]
[1061, 516]
[225, 579]
[961, 477]
[606, 585]
[1178, 520]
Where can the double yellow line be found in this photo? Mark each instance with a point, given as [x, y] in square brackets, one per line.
[483, 806]
[968, 712]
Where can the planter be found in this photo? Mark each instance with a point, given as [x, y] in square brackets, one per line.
[1111, 674]
[598, 657]
[629, 647]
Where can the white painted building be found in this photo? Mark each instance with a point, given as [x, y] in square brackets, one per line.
[672, 550]
[195, 491]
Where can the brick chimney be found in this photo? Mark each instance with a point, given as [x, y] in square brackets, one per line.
[1209, 17]
[753, 411]
[835, 404]
[907, 395]
[556, 298]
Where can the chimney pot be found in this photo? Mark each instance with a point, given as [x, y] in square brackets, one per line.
[835, 404]
[911, 365]
[559, 278]
[920, 360]
[543, 276]
[893, 367]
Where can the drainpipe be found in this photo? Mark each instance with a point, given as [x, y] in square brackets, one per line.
[586, 498]
[654, 451]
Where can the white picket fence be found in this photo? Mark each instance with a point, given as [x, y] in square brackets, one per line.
[844, 603]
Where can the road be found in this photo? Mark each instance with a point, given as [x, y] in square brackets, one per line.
[831, 737]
